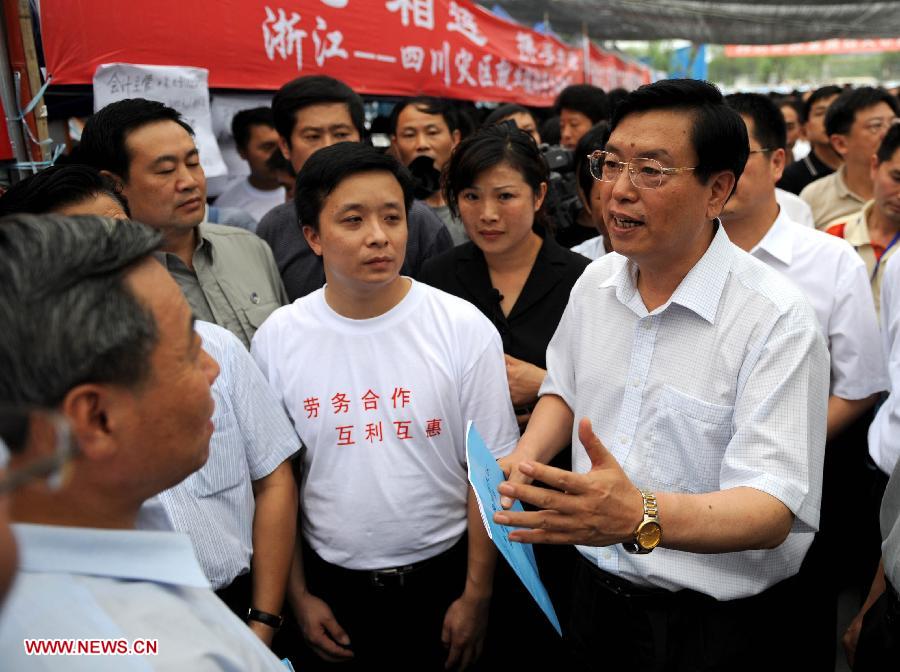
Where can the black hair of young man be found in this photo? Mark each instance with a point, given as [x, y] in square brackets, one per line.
[57, 187]
[718, 134]
[303, 92]
[103, 138]
[842, 112]
[769, 127]
[428, 105]
[589, 143]
[590, 100]
[816, 96]
[889, 144]
[243, 122]
[330, 166]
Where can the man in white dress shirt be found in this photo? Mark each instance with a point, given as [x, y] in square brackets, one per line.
[705, 378]
[835, 281]
[95, 328]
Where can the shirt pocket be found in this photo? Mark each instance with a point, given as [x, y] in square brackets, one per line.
[688, 443]
[255, 315]
[226, 466]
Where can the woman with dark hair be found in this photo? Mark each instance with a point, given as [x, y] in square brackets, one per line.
[520, 278]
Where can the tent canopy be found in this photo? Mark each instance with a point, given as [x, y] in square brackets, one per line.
[714, 21]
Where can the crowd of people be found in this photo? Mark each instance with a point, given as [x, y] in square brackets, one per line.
[236, 430]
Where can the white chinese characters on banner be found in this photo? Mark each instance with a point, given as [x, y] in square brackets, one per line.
[282, 37]
[420, 11]
[183, 88]
[463, 21]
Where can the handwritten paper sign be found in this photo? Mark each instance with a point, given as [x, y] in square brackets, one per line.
[183, 88]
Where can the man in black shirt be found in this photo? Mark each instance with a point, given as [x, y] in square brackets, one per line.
[822, 160]
[312, 113]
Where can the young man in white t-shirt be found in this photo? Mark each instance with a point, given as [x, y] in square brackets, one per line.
[380, 375]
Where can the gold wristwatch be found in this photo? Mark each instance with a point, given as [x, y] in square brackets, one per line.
[648, 533]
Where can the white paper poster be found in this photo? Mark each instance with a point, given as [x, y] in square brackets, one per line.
[184, 88]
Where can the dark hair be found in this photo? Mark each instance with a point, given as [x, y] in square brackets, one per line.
[718, 134]
[505, 111]
[615, 97]
[68, 317]
[590, 142]
[794, 103]
[487, 147]
[816, 96]
[302, 92]
[103, 138]
[842, 112]
[330, 166]
[769, 127]
[550, 131]
[277, 163]
[889, 144]
[428, 105]
[57, 187]
[590, 100]
[243, 122]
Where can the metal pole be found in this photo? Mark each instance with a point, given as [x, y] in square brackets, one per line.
[8, 99]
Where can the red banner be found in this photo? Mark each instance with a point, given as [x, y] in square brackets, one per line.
[836, 46]
[449, 48]
[609, 71]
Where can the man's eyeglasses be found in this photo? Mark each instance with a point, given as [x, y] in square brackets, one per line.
[32, 431]
[644, 173]
[875, 126]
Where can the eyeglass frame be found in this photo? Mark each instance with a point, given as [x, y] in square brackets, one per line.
[629, 164]
[880, 121]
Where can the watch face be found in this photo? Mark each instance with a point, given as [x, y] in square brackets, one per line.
[649, 535]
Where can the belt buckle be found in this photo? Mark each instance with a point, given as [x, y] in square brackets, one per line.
[381, 578]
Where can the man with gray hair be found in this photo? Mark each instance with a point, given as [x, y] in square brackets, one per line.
[95, 328]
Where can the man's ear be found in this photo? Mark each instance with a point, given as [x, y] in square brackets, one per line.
[778, 157]
[873, 167]
[117, 181]
[96, 414]
[242, 152]
[839, 143]
[285, 148]
[721, 185]
[456, 136]
[312, 239]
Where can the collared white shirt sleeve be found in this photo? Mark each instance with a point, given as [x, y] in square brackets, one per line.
[834, 279]
[884, 432]
[724, 386]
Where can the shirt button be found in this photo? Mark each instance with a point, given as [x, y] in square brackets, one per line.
[254, 298]
[636, 382]
[623, 439]
[607, 554]
[647, 324]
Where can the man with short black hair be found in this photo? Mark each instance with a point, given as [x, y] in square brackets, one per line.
[706, 375]
[227, 274]
[71, 189]
[255, 139]
[313, 112]
[380, 375]
[96, 329]
[874, 231]
[855, 123]
[428, 127]
[579, 107]
[834, 279]
[822, 160]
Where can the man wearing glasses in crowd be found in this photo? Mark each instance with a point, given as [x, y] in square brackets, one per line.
[855, 123]
[705, 378]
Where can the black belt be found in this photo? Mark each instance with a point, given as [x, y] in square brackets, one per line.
[396, 577]
[621, 587]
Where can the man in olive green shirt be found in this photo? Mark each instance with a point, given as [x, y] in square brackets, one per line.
[227, 274]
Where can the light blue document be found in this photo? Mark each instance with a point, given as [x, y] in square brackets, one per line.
[485, 475]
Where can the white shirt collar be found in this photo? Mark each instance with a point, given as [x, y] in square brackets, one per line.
[701, 289]
[160, 557]
[779, 239]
